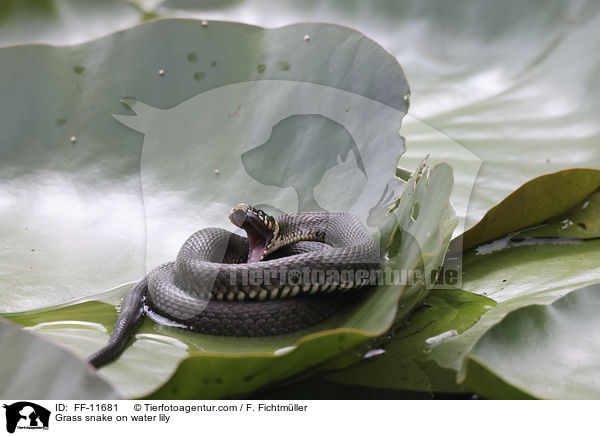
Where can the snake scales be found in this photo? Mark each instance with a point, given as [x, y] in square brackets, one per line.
[225, 284]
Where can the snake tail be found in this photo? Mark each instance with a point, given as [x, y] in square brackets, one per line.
[132, 315]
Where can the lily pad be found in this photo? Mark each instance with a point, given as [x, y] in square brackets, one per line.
[533, 203]
[424, 139]
[509, 84]
[403, 363]
[62, 377]
[82, 169]
[433, 348]
[542, 351]
[491, 81]
[63, 21]
[508, 274]
[583, 221]
[505, 272]
[75, 219]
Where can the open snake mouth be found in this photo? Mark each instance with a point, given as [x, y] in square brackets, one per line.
[258, 229]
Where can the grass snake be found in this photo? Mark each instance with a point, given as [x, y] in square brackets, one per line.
[263, 284]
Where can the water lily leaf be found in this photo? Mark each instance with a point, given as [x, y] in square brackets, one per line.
[495, 98]
[62, 377]
[315, 387]
[490, 82]
[428, 353]
[533, 203]
[425, 139]
[63, 21]
[542, 351]
[583, 221]
[73, 218]
[504, 271]
[403, 363]
[81, 164]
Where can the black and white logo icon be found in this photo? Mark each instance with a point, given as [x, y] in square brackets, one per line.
[26, 415]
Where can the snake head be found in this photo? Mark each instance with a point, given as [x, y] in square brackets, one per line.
[262, 229]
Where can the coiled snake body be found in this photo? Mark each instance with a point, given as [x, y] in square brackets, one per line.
[225, 284]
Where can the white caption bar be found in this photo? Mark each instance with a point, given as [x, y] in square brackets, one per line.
[306, 418]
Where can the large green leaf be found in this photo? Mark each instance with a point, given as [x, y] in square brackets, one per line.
[508, 83]
[583, 221]
[403, 364]
[512, 84]
[518, 274]
[543, 351]
[62, 376]
[508, 274]
[63, 21]
[72, 219]
[535, 202]
[232, 91]
[428, 353]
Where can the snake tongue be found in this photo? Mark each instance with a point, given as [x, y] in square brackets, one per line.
[259, 236]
